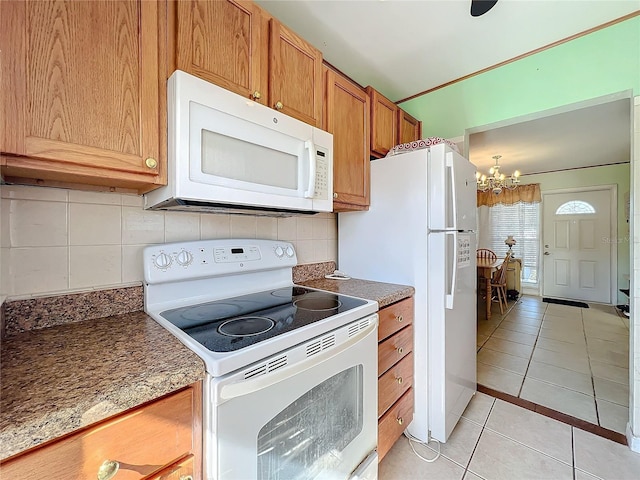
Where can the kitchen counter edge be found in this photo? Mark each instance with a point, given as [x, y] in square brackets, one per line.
[60, 379]
[383, 293]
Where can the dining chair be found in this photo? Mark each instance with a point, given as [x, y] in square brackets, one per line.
[486, 253]
[499, 283]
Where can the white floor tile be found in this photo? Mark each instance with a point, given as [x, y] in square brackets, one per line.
[565, 335]
[503, 360]
[568, 360]
[499, 379]
[561, 399]
[517, 337]
[561, 377]
[461, 442]
[479, 407]
[613, 416]
[610, 372]
[519, 327]
[515, 317]
[401, 463]
[497, 458]
[604, 458]
[580, 475]
[561, 346]
[512, 348]
[532, 429]
[611, 391]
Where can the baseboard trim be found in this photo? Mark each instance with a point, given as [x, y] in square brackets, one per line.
[632, 440]
[561, 417]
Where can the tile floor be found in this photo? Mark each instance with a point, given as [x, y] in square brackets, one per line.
[496, 440]
[569, 359]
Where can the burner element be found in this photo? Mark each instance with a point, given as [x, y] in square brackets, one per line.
[246, 326]
[318, 302]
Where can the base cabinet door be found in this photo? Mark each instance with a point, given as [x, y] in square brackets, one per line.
[81, 92]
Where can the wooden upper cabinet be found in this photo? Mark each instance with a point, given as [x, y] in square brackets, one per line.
[223, 42]
[409, 128]
[384, 123]
[295, 75]
[239, 46]
[81, 96]
[347, 118]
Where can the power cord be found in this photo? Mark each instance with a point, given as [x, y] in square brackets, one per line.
[420, 442]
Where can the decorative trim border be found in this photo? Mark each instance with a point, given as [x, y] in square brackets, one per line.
[561, 417]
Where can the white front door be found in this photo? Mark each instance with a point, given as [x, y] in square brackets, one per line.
[577, 245]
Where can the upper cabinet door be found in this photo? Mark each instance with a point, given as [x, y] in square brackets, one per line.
[223, 42]
[81, 92]
[347, 118]
[409, 128]
[384, 123]
[295, 75]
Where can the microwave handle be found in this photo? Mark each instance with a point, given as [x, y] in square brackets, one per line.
[311, 187]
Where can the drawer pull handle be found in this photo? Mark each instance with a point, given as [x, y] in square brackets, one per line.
[399, 317]
[400, 350]
[399, 379]
[108, 470]
[399, 420]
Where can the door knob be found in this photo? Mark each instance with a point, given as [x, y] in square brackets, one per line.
[547, 253]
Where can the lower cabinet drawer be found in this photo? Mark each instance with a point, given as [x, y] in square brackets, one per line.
[397, 380]
[394, 422]
[395, 317]
[142, 442]
[180, 471]
[394, 349]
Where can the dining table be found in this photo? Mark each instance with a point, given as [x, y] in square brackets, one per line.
[486, 267]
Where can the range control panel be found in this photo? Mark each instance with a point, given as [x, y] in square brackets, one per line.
[210, 258]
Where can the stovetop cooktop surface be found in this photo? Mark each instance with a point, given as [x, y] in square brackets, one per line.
[231, 324]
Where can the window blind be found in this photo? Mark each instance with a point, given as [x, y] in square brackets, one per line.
[522, 220]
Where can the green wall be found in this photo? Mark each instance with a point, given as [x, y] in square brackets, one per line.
[603, 62]
[586, 177]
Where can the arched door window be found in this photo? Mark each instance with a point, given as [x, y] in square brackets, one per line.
[575, 207]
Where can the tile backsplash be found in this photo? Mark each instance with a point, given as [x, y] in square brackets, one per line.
[58, 241]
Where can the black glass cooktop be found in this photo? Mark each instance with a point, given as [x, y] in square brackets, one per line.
[234, 323]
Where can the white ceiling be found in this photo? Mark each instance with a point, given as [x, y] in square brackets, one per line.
[403, 48]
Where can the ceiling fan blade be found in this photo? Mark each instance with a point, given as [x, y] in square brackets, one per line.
[480, 7]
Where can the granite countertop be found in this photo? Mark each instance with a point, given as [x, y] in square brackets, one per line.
[56, 380]
[383, 293]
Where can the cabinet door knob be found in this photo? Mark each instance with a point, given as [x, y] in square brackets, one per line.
[335, 195]
[399, 379]
[400, 318]
[186, 477]
[400, 420]
[279, 105]
[400, 350]
[151, 162]
[256, 95]
[108, 470]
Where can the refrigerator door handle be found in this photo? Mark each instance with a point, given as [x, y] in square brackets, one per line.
[454, 264]
[454, 198]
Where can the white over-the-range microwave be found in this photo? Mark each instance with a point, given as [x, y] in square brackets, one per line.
[227, 153]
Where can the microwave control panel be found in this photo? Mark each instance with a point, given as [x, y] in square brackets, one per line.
[322, 175]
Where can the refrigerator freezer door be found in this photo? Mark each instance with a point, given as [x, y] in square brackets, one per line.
[452, 190]
[451, 331]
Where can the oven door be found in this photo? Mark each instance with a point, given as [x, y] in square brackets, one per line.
[315, 418]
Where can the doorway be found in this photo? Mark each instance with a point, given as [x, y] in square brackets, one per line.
[579, 254]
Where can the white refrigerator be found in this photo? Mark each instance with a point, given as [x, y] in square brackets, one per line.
[420, 231]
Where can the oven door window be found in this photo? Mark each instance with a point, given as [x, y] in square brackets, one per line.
[307, 437]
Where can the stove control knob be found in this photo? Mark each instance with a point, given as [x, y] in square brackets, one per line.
[290, 252]
[162, 261]
[184, 258]
[279, 251]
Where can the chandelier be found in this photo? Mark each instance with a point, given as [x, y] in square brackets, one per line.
[496, 181]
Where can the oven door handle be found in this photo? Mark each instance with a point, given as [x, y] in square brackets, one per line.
[246, 387]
